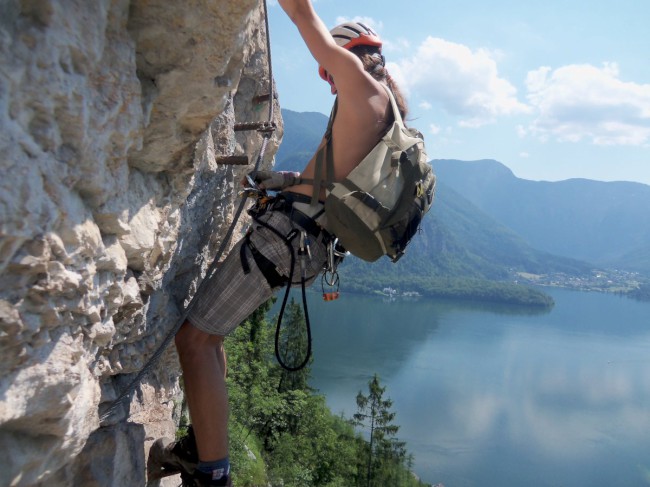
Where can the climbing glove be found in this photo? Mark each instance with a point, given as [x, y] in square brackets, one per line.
[276, 180]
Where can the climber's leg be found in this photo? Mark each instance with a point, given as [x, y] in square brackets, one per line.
[203, 362]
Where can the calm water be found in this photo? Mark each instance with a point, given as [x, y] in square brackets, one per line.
[486, 397]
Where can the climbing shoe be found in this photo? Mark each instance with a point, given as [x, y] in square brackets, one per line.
[169, 457]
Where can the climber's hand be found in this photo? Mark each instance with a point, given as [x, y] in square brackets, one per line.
[275, 180]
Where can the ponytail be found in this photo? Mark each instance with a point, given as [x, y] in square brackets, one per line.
[373, 63]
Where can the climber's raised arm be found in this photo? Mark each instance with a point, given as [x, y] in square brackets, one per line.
[340, 64]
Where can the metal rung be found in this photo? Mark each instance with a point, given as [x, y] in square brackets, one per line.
[259, 99]
[233, 160]
[259, 126]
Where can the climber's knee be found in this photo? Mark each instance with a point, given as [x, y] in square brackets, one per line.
[190, 339]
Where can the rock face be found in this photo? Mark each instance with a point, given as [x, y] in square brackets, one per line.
[114, 115]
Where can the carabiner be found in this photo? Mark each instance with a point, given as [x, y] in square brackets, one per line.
[334, 257]
[331, 281]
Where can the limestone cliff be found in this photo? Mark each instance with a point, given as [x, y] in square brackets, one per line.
[114, 115]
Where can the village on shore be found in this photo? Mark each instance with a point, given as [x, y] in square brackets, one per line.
[610, 281]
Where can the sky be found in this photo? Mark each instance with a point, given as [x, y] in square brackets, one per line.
[553, 89]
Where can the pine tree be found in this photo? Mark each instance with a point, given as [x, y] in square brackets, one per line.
[373, 413]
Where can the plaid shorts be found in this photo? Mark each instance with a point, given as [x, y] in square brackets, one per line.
[231, 295]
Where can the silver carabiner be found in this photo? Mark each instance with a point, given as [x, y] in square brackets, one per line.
[334, 257]
[301, 255]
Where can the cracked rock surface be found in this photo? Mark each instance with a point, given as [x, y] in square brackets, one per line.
[114, 114]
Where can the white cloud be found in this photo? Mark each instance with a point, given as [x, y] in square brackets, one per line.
[465, 82]
[399, 46]
[425, 105]
[434, 129]
[584, 102]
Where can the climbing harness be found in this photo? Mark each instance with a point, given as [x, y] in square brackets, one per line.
[266, 129]
[308, 229]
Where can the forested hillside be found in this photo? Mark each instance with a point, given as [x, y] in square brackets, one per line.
[461, 252]
[606, 223]
[302, 134]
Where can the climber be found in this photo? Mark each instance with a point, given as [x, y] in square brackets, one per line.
[351, 62]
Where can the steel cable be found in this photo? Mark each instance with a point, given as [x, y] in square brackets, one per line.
[266, 134]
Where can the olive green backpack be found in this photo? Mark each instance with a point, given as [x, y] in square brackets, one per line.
[378, 207]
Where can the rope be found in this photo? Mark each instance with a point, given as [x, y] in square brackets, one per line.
[266, 134]
[278, 327]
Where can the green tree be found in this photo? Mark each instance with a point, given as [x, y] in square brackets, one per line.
[282, 433]
[385, 453]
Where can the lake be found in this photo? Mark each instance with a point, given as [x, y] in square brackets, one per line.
[491, 397]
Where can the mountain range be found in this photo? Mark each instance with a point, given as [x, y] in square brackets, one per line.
[486, 223]
[605, 223]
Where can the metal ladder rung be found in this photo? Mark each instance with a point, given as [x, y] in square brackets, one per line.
[233, 160]
[259, 99]
[259, 126]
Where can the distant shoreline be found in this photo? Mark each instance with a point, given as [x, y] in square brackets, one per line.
[455, 289]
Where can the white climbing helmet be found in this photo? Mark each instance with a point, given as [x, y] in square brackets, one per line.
[351, 34]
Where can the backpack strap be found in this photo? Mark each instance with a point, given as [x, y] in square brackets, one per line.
[393, 103]
[330, 123]
[325, 155]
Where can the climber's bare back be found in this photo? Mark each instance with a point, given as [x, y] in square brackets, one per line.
[357, 128]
